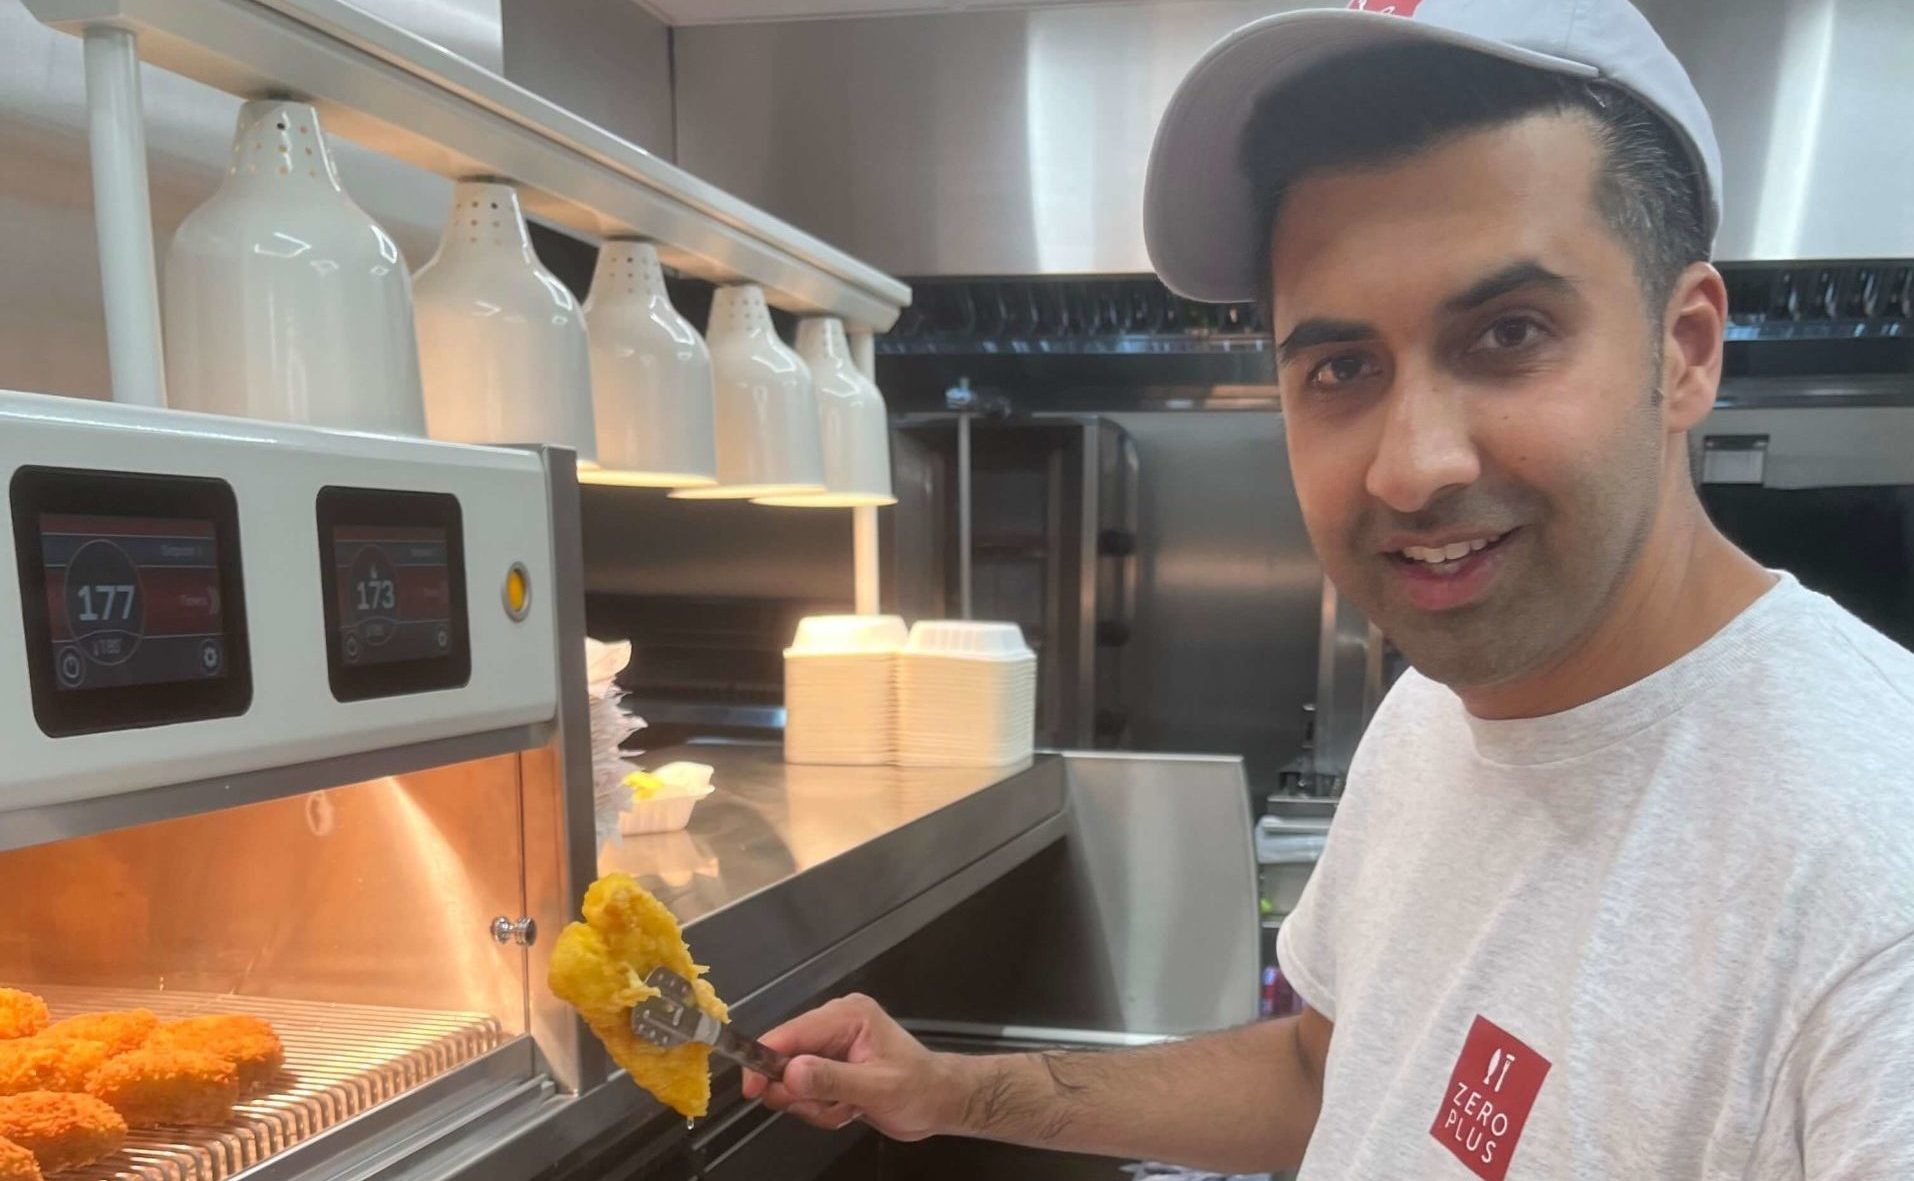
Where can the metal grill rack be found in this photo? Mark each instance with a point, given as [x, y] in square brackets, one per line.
[340, 1060]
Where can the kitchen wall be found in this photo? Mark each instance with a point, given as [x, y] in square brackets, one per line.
[1014, 142]
[606, 60]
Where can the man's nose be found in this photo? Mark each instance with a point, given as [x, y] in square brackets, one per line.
[1425, 446]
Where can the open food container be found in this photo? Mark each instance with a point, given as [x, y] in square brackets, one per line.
[663, 800]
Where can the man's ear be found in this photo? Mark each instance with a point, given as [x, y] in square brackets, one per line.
[1691, 351]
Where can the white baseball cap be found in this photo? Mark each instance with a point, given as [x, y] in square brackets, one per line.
[1200, 219]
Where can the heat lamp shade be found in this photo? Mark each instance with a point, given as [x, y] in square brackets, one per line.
[282, 299]
[502, 343]
[650, 378]
[768, 441]
[853, 425]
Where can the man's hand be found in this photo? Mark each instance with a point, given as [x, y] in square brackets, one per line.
[1240, 1101]
[850, 1060]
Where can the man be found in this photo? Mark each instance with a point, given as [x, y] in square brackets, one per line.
[1622, 885]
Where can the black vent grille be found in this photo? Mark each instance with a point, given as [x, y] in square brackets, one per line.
[1792, 301]
[1111, 314]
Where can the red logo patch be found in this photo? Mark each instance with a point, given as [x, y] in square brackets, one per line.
[1494, 1084]
[1392, 7]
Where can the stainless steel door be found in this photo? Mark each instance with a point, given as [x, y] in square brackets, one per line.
[1011, 520]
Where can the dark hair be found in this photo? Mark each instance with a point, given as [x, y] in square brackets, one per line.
[1377, 106]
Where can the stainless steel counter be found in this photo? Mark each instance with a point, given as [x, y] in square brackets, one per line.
[784, 863]
[788, 879]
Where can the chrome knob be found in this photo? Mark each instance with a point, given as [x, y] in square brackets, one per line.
[523, 932]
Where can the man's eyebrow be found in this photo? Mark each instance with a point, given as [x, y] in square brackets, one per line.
[1322, 330]
[1513, 277]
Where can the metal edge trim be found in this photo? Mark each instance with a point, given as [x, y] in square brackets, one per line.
[45, 823]
[982, 1033]
[587, 1063]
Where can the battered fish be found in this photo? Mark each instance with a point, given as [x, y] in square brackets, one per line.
[121, 1031]
[247, 1042]
[598, 967]
[21, 1014]
[48, 1064]
[151, 1086]
[17, 1164]
[61, 1131]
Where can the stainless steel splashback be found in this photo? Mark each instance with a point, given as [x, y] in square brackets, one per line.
[969, 143]
[610, 63]
[473, 29]
[1810, 100]
[1014, 142]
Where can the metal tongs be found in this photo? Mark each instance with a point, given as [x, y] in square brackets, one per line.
[672, 1018]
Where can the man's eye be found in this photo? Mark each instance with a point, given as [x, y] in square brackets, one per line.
[1510, 334]
[1341, 369]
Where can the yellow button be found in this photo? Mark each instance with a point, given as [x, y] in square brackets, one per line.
[518, 592]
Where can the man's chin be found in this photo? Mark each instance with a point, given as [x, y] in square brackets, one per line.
[1466, 648]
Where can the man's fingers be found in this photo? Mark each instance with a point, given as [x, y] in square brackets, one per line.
[818, 1082]
[829, 1116]
[754, 1084]
[824, 1081]
[827, 1032]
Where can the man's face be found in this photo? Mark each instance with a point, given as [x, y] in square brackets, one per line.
[1468, 382]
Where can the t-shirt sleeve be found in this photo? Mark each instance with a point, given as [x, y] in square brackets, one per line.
[1312, 936]
[1851, 1071]
[1305, 951]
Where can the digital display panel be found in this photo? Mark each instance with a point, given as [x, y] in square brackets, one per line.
[132, 597]
[393, 564]
[395, 593]
[132, 600]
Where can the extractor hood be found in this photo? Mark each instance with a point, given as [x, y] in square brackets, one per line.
[1013, 142]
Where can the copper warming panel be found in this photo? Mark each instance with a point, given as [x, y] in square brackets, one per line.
[340, 1060]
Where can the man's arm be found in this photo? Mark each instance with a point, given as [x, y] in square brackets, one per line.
[1850, 1073]
[1244, 1100]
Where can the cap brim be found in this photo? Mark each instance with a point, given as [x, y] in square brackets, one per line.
[1200, 221]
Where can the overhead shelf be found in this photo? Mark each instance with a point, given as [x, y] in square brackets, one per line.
[397, 93]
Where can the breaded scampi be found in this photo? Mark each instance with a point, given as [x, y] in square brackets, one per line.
[245, 1041]
[149, 1086]
[48, 1064]
[61, 1131]
[119, 1031]
[598, 967]
[17, 1164]
[21, 1014]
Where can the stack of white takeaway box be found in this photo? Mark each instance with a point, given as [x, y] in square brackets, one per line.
[863, 690]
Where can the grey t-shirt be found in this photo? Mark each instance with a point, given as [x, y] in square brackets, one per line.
[1666, 934]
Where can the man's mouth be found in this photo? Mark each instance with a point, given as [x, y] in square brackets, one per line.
[1449, 557]
[1441, 573]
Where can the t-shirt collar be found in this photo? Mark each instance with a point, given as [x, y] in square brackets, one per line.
[1606, 720]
